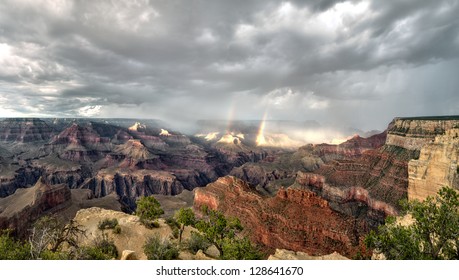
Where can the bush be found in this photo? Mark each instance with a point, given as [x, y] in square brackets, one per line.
[197, 242]
[107, 224]
[117, 229]
[148, 210]
[157, 248]
[11, 249]
[172, 223]
[175, 233]
[102, 249]
[240, 249]
[49, 255]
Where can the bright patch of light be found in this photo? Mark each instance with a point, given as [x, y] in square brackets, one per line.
[137, 126]
[209, 136]
[164, 133]
[89, 111]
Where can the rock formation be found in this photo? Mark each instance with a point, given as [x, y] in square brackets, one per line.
[282, 254]
[437, 166]
[26, 205]
[414, 133]
[295, 219]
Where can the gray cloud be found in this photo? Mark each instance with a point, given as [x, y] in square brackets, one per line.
[353, 63]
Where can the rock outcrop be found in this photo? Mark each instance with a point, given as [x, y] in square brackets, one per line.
[282, 254]
[295, 219]
[414, 133]
[133, 236]
[437, 166]
[19, 210]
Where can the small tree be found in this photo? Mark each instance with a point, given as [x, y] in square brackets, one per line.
[185, 217]
[148, 210]
[49, 234]
[434, 233]
[216, 228]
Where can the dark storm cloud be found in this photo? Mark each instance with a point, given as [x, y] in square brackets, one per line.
[357, 62]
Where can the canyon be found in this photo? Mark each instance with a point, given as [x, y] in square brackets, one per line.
[317, 199]
[337, 193]
[129, 158]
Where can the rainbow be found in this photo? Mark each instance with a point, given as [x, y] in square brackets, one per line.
[260, 136]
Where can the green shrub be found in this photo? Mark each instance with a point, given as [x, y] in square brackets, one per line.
[172, 223]
[49, 255]
[197, 242]
[175, 233]
[107, 224]
[434, 233]
[148, 210]
[117, 229]
[240, 249]
[101, 249]
[11, 249]
[157, 248]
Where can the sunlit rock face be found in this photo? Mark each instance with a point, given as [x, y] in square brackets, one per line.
[164, 132]
[437, 166]
[296, 219]
[414, 133]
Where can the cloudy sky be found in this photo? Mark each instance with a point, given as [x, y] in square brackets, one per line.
[350, 63]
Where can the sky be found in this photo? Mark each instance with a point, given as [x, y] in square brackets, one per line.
[342, 63]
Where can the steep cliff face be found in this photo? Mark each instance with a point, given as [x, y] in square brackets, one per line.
[129, 185]
[26, 205]
[436, 167]
[294, 219]
[414, 133]
[382, 172]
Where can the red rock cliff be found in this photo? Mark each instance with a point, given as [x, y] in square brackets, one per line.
[294, 219]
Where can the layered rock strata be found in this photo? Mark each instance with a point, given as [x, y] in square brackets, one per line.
[414, 133]
[26, 205]
[24, 130]
[437, 166]
[295, 219]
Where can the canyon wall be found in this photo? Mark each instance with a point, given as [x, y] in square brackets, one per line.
[436, 141]
[295, 219]
[414, 133]
[436, 167]
[19, 210]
